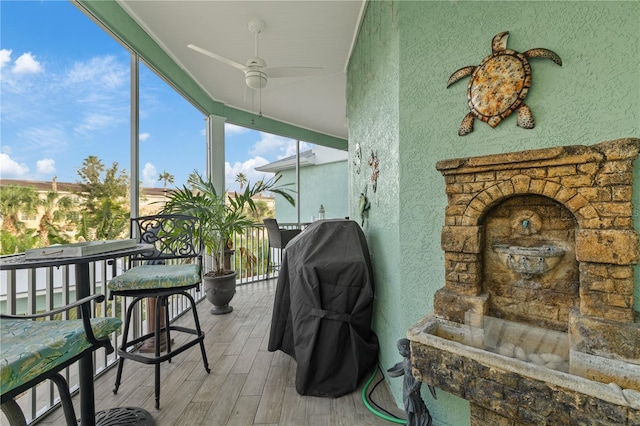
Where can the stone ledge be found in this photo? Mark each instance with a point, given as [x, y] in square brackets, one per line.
[609, 339]
[487, 379]
[615, 150]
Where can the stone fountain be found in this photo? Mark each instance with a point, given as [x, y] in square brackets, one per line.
[535, 323]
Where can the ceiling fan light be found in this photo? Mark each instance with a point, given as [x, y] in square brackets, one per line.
[256, 79]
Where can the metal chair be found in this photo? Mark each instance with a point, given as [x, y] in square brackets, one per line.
[278, 238]
[171, 269]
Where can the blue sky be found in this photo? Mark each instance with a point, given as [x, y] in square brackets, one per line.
[65, 96]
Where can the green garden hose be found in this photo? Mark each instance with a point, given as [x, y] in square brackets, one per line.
[365, 400]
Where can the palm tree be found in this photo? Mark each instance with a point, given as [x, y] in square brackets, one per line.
[18, 242]
[107, 222]
[262, 210]
[15, 199]
[241, 178]
[167, 178]
[103, 200]
[193, 179]
[221, 215]
[46, 220]
[56, 211]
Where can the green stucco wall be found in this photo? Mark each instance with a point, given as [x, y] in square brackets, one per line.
[373, 113]
[324, 184]
[399, 107]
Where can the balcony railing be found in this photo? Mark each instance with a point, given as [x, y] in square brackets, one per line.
[35, 290]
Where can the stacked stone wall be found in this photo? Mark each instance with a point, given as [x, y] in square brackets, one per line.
[594, 183]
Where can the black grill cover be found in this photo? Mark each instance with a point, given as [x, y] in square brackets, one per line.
[323, 307]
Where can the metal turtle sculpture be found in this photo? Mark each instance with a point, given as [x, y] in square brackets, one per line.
[499, 85]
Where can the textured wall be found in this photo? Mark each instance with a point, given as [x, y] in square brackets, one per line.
[372, 96]
[399, 106]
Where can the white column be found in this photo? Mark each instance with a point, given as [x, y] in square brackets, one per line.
[134, 183]
[215, 152]
[298, 182]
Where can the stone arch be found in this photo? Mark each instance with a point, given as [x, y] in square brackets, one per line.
[521, 184]
[526, 223]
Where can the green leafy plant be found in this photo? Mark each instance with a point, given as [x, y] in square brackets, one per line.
[220, 216]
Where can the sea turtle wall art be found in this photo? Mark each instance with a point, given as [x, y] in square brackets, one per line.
[499, 85]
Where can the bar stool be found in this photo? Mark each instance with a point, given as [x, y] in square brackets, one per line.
[278, 239]
[171, 269]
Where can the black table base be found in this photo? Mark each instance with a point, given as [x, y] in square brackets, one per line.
[124, 416]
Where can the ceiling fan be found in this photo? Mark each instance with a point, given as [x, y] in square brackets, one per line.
[256, 73]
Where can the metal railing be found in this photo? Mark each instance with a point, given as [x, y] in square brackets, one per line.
[252, 260]
[35, 290]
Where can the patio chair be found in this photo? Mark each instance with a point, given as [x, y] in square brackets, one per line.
[33, 351]
[278, 238]
[171, 269]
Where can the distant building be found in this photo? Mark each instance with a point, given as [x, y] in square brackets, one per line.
[269, 201]
[323, 182]
[151, 199]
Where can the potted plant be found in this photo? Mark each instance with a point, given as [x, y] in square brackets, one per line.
[220, 217]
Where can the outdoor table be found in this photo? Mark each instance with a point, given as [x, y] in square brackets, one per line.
[88, 415]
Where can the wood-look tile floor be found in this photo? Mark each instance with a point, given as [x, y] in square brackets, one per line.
[247, 385]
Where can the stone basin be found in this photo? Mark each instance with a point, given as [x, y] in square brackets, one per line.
[529, 261]
[464, 359]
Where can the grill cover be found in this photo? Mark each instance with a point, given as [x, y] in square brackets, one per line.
[323, 307]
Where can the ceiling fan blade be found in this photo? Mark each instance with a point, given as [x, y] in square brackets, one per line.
[295, 83]
[280, 72]
[217, 57]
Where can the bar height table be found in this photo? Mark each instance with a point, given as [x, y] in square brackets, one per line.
[88, 415]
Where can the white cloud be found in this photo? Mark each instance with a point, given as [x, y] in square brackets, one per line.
[96, 121]
[290, 148]
[11, 168]
[71, 103]
[98, 90]
[280, 146]
[144, 136]
[27, 64]
[101, 71]
[5, 57]
[46, 166]
[232, 129]
[247, 168]
[149, 175]
[47, 140]
[270, 144]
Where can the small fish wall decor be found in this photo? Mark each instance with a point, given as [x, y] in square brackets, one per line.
[357, 158]
[364, 205]
[375, 171]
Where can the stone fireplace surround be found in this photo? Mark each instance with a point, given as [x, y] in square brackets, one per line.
[504, 213]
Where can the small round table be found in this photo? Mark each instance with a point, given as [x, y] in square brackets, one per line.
[121, 416]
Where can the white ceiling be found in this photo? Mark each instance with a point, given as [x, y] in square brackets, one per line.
[298, 33]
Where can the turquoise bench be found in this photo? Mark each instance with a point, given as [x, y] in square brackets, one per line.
[32, 351]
